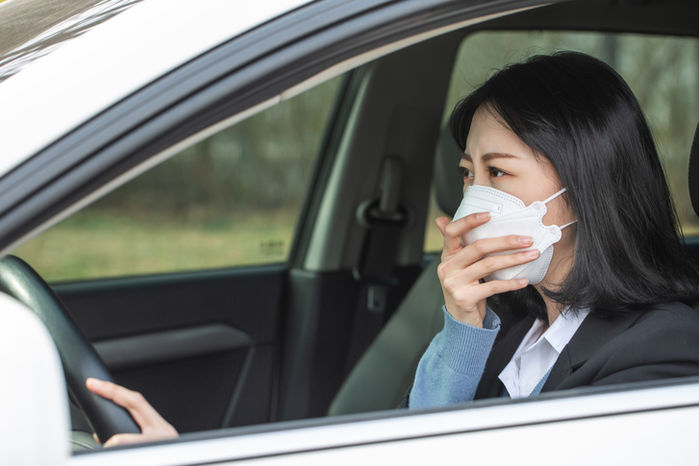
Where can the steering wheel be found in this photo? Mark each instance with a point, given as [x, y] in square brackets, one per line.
[80, 360]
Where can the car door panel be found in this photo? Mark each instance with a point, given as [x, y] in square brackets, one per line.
[202, 347]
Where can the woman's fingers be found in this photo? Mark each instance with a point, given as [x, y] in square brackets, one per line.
[484, 247]
[460, 274]
[466, 298]
[123, 439]
[110, 391]
[454, 231]
[484, 267]
[459, 282]
[151, 423]
[141, 411]
[442, 223]
[494, 287]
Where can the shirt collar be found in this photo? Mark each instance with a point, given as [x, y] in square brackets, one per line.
[564, 327]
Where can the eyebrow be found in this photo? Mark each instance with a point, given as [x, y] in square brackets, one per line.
[490, 156]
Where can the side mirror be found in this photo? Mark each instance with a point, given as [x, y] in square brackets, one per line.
[33, 400]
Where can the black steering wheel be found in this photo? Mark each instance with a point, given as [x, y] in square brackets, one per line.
[80, 360]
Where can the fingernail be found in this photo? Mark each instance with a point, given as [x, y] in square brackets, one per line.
[532, 253]
[523, 282]
[92, 382]
[524, 240]
[482, 216]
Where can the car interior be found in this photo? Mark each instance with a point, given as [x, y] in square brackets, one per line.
[336, 323]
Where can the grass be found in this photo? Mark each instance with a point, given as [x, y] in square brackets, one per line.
[103, 244]
[100, 244]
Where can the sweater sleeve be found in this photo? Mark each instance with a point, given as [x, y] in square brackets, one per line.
[453, 364]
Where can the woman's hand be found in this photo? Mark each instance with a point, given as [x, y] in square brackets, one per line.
[462, 268]
[153, 426]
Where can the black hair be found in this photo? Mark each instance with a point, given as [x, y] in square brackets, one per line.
[580, 114]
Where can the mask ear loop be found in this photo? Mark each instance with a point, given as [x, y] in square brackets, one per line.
[568, 224]
[554, 196]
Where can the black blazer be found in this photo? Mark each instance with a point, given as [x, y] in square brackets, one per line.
[660, 342]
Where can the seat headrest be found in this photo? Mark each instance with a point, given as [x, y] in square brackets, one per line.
[448, 182]
[694, 171]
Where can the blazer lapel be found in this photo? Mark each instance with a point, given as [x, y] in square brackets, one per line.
[490, 385]
[593, 333]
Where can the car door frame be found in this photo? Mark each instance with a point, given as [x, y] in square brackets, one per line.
[626, 416]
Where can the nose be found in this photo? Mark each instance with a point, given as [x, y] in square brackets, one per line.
[477, 182]
[466, 185]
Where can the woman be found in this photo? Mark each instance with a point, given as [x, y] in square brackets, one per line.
[567, 229]
[575, 242]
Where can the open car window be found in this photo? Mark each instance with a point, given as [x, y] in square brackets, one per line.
[230, 200]
[663, 72]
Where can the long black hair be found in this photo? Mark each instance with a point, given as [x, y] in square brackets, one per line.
[581, 115]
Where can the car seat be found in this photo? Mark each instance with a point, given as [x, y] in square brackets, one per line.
[694, 171]
[383, 374]
[692, 243]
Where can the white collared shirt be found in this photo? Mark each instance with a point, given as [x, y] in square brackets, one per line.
[538, 352]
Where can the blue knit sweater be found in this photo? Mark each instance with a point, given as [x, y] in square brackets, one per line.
[452, 366]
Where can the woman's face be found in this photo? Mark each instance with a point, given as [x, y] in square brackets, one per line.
[497, 157]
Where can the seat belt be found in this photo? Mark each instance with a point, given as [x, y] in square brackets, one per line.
[384, 220]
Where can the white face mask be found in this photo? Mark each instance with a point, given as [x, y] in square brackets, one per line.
[509, 216]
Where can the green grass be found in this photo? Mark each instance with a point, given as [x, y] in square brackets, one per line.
[108, 244]
[102, 244]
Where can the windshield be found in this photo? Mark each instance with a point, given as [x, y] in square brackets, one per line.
[30, 29]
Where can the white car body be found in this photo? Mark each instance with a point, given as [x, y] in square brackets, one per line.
[98, 68]
[496, 434]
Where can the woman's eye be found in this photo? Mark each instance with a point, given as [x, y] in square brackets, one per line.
[465, 172]
[495, 172]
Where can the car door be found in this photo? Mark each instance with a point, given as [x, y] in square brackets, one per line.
[179, 278]
[191, 280]
[149, 272]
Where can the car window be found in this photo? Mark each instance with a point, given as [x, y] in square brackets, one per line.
[232, 199]
[663, 73]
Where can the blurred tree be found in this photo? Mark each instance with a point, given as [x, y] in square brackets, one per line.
[264, 161]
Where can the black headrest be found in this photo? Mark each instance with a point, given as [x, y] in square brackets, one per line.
[694, 171]
[448, 181]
